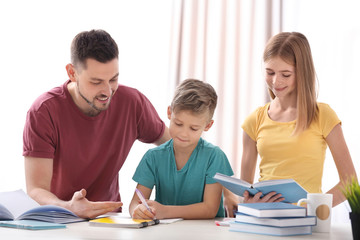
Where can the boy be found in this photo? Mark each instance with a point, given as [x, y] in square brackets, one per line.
[182, 168]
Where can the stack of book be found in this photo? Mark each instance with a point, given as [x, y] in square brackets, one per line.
[278, 219]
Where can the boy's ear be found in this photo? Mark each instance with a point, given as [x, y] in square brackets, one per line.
[169, 112]
[70, 69]
[208, 126]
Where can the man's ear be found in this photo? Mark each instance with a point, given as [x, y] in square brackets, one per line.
[169, 112]
[70, 69]
[208, 126]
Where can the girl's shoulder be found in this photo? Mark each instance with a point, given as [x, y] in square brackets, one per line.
[261, 111]
[325, 109]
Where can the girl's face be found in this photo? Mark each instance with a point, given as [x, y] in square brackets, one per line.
[280, 78]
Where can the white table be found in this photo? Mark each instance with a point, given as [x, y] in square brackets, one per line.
[182, 230]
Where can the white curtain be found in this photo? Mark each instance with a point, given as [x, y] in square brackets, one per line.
[221, 42]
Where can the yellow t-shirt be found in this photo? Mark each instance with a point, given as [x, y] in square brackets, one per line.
[283, 156]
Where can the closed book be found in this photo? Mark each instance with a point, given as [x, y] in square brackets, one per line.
[275, 209]
[288, 188]
[17, 205]
[277, 221]
[269, 230]
[31, 224]
[114, 221]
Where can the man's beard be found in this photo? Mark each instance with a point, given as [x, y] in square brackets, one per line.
[95, 110]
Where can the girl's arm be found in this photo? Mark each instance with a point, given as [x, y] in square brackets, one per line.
[248, 166]
[138, 210]
[343, 162]
[203, 210]
[248, 160]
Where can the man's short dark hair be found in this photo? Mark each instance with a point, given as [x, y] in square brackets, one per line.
[95, 44]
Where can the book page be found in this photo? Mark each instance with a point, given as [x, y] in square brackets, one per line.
[17, 202]
[272, 182]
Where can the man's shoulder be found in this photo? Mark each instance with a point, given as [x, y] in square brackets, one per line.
[126, 94]
[128, 91]
[49, 98]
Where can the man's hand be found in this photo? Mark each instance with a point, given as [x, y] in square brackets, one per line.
[87, 209]
[270, 197]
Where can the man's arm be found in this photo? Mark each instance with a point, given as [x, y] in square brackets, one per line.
[38, 175]
[164, 138]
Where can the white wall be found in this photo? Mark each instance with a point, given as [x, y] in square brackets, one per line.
[333, 30]
[35, 47]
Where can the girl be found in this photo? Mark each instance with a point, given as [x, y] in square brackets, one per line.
[291, 133]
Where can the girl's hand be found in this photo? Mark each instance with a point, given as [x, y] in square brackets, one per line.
[270, 197]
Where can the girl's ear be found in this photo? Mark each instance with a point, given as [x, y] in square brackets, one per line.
[70, 69]
[208, 126]
[169, 112]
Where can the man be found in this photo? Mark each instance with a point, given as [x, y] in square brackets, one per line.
[77, 136]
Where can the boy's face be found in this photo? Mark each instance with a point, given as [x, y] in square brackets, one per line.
[186, 127]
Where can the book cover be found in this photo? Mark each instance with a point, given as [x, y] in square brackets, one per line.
[17, 205]
[113, 221]
[289, 188]
[269, 230]
[277, 221]
[276, 209]
[31, 224]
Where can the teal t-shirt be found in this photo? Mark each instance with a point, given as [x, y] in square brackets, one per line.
[185, 186]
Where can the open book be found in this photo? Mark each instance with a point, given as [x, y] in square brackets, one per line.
[289, 188]
[17, 205]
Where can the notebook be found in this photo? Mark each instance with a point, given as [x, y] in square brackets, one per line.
[31, 224]
[121, 222]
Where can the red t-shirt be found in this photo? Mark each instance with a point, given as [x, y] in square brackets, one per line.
[88, 152]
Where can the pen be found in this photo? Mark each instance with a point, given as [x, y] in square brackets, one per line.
[142, 199]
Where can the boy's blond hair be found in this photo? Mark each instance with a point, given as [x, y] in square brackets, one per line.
[195, 96]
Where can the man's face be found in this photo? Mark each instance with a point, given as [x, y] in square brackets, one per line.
[96, 85]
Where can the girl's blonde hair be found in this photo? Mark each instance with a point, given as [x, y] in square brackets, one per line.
[294, 49]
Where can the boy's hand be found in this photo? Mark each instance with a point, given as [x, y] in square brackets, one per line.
[231, 202]
[158, 209]
[270, 197]
[141, 212]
